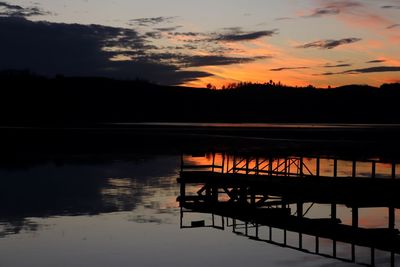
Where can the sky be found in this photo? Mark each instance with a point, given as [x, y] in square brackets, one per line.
[193, 43]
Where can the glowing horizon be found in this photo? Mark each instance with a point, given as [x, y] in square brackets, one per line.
[317, 42]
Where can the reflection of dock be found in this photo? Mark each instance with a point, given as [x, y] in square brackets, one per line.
[263, 191]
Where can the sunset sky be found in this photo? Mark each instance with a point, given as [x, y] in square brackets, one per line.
[319, 42]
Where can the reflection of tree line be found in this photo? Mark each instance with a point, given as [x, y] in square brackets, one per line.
[64, 100]
[65, 189]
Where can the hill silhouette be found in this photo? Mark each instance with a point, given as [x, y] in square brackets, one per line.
[29, 99]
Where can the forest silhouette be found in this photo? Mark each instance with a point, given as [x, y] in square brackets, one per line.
[29, 99]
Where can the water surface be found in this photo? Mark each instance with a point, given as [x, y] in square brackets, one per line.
[122, 211]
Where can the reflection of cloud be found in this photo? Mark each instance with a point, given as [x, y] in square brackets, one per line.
[333, 8]
[168, 29]
[283, 18]
[329, 44]
[393, 26]
[151, 21]
[15, 226]
[391, 7]
[18, 11]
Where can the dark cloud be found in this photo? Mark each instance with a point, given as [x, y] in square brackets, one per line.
[391, 7]
[168, 29]
[151, 21]
[289, 68]
[83, 50]
[154, 35]
[393, 26]
[236, 35]
[375, 61]
[329, 44]
[324, 11]
[197, 61]
[333, 8]
[8, 10]
[190, 34]
[325, 74]
[185, 61]
[375, 69]
[365, 70]
[337, 65]
[283, 18]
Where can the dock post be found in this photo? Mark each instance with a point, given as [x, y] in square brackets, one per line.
[317, 245]
[270, 166]
[354, 169]
[257, 230]
[234, 164]
[247, 165]
[300, 215]
[257, 165]
[286, 166]
[392, 215]
[213, 161]
[335, 164]
[227, 163]
[354, 216]
[182, 163]
[223, 162]
[334, 248]
[393, 170]
[373, 174]
[285, 236]
[181, 218]
[182, 192]
[333, 211]
[392, 259]
[301, 167]
[318, 167]
[270, 233]
[372, 256]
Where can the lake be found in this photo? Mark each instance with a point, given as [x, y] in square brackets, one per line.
[121, 209]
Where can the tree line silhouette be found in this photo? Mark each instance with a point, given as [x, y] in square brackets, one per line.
[29, 99]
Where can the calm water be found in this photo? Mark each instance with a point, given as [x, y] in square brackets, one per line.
[123, 212]
[264, 125]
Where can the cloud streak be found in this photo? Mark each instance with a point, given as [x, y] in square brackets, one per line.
[337, 66]
[237, 35]
[374, 70]
[375, 61]
[289, 68]
[145, 22]
[393, 26]
[391, 7]
[329, 44]
[364, 70]
[333, 8]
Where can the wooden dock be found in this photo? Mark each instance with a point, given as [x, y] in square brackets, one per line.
[261, 191]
